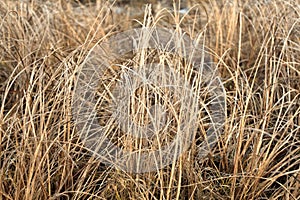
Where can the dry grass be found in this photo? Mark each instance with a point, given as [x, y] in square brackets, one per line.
[256, 48]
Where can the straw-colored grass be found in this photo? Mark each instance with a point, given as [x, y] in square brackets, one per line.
[256, 48]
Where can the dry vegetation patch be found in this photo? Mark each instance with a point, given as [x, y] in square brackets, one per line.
[255, 45]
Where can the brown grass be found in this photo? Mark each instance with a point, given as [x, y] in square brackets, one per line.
[256, 48]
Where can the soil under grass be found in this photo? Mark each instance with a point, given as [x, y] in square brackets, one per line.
[255, 46]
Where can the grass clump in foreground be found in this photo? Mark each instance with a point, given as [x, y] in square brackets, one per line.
[256, 48]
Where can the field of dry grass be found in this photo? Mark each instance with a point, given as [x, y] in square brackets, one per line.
[255, 46]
